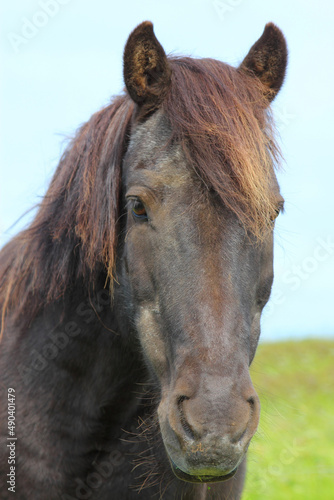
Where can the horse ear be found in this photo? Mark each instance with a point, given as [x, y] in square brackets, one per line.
[267, 60]
[146, 70]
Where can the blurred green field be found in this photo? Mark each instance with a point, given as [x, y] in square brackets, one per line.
[292, 455]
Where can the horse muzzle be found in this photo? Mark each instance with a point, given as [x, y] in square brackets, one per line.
[207, 426]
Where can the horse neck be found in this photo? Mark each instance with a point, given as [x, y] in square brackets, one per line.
[80, 339]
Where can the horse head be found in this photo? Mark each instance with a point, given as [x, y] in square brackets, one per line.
[201, 197]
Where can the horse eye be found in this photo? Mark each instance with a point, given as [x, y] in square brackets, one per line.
[139, 210]
[279, 209]
[275, 215]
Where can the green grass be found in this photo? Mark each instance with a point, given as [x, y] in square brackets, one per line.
[292, 455]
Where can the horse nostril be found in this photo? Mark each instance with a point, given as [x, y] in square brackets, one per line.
[254, 404]
[181, 399]
[185, 424]
[251, 402]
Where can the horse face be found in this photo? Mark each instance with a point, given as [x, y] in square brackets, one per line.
[198, 284]
[197, 280]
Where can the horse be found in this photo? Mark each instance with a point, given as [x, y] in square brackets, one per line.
[131, 304]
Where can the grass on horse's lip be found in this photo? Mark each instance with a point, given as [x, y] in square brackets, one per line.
[199, 479]
[292, 454]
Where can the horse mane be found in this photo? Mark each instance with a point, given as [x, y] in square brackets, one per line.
[75, 230]
[217, 113]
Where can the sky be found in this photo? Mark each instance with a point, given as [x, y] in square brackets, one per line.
[61, 60]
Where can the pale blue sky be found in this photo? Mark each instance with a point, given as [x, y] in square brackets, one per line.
[55, 75]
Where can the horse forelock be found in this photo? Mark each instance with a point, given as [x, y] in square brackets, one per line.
[221, 117]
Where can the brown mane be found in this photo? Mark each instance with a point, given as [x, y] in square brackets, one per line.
[75, 229]
[217, 113]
